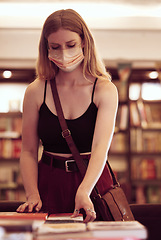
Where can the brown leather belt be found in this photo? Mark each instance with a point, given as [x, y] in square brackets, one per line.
[68, 164]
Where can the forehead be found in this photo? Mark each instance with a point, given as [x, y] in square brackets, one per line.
[62, 36]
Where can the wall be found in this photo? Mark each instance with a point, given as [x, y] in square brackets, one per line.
[130, 39]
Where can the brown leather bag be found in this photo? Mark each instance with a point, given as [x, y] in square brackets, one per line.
[113, 205]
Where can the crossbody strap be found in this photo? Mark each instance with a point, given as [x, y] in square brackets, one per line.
[67, 135]
[65, 131]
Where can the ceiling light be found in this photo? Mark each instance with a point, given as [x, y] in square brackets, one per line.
[7, 74]
[153, 74]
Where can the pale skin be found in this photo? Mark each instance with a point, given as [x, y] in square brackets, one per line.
[75, 95]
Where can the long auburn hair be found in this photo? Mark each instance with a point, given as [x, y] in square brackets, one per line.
[70, 20]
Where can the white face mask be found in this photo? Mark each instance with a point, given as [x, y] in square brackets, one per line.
[67, 59]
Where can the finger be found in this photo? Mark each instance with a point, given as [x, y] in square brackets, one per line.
[22, 207]
[31, 206]
[88, 219]
[38, 207]
[75, 213]
[90, 215]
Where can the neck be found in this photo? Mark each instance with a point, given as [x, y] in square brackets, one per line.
[70, 78]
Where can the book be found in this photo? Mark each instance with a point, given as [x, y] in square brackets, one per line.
[18, 236]
[21, 216]
[49, 228]
[119, 143]
[64, 218]
[140, 195]
[118, 229]
[83, 236]
[22, 225]
[123, 117]
[10, 148]
[16, 148]
[134, 115]
[142, 113]
[62, 223]
[153, 194]
[147, 169]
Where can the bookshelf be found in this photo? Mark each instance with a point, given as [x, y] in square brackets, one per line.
[145, 138]
[139, 141]
[11, 96]
[135, 152]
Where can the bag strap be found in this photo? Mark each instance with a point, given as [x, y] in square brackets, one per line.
[65, 131]
[67, 135]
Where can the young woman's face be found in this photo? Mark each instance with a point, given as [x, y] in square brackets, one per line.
[65, 49]
[63, 39]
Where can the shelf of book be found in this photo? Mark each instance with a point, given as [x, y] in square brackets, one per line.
[10, 148]
[150, 182]
[145, 137]
[147, 193]
[136, 144]
[12, 191]
[137, 137]
[2, 159]
[11, 93]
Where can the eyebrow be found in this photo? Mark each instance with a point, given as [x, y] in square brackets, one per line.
[66, 42]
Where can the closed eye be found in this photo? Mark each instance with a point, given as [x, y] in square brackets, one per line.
[55, 48]
[71, 46]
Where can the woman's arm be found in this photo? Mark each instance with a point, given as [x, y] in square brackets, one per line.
[106, 99]
[29, 152]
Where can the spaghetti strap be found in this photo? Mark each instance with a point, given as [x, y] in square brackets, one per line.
[45, 90]
[94, 89]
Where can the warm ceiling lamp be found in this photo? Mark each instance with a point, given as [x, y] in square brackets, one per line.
[7, 74]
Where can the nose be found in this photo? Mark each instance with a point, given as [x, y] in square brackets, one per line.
[64, 55]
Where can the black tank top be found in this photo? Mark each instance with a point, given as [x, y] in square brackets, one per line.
[82, 128]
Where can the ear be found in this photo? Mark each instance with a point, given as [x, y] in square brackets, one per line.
[83, 43]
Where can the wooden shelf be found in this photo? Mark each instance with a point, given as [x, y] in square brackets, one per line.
[149, 182]
[10, 114]
[122, 141]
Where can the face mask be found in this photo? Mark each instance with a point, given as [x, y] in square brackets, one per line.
[67, 59]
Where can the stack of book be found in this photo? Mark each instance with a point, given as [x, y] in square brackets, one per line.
[44, 226]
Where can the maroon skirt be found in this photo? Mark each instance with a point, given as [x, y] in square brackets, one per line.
[57, 187]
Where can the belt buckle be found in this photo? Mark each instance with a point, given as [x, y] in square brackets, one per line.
[66, 165]
[66, 133]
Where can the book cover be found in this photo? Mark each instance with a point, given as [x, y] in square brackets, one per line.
[150, 169]
[153, 194]
[118, 229]
[20, 225]
[140, 195]
[12, 225]
[62, 223]
[16, 148]
[83, 236]
[25, 216]
[64, 218]
[119, 143]
[18, 236]
[142, 113]
[124, 117]
[48, 228]
[134, 115]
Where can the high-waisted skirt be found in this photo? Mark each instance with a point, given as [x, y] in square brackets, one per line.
[58, 186]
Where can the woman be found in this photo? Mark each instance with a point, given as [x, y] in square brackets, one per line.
[89, 101]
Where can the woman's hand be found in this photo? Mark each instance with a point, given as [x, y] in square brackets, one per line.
[82, 200]
[33, 203]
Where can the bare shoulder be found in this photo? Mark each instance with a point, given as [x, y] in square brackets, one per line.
[35, 88]
[106, 91]
[34, 92]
